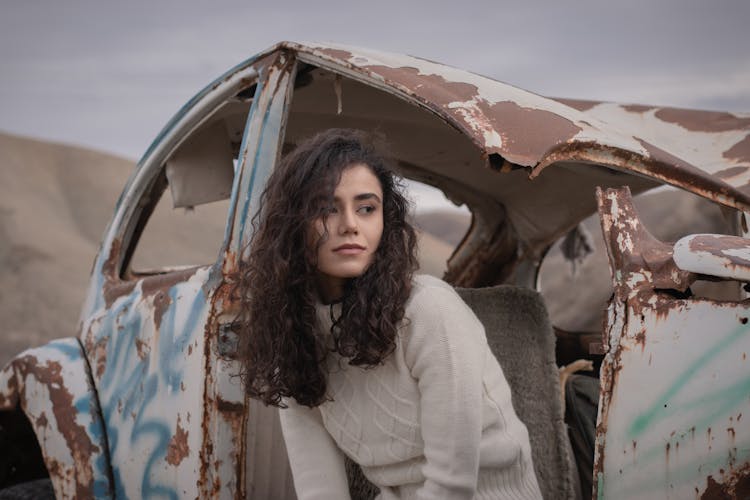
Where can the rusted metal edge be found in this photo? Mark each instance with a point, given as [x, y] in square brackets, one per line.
[675, 173]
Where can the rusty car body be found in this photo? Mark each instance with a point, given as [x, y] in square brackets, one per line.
[145, 402]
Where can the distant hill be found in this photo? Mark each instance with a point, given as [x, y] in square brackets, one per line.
[55, 202]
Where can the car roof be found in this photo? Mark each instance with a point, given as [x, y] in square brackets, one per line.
[566, 146]
[706, 152]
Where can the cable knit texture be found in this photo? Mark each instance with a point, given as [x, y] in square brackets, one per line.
[435, 421]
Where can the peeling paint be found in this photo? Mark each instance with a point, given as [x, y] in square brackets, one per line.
[671, 368]
[637, 108]
[178, 448]
[708, 121]
[740, 152]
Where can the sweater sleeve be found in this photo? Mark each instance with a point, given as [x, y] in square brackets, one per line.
[445, 352]
[317, 463]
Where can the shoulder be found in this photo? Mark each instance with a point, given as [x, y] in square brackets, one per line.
[431, 292]
[439, 324]
[432, 299]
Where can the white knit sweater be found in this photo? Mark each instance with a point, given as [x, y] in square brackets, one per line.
[435, 421]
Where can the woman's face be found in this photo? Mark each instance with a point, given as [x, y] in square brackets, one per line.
[354, 226]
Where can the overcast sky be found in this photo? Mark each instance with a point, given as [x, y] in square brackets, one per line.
[109, 75]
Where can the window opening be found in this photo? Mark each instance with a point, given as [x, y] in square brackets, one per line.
[186, 227]
[576, 291]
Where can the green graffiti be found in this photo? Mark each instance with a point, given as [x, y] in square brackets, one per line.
[728, 397]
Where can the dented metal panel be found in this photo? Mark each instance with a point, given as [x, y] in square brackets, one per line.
[53, 387]
[714, 255]
[146, 351]
[674, 380]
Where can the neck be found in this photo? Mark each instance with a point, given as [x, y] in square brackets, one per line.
[330, 289]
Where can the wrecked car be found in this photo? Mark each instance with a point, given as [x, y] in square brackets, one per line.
[143, 401]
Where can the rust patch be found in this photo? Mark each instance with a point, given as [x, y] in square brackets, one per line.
[54, 468]
[42, 421]
[229, 406]
[161, 304]
[739, 152]
[142, 348]
[578, 104]
[730, 172]
[109, 268]
[113, 290]
[10, 402]
[637, 108]
[206, 451]
[527, 133]
[342, 55]
[151, 285]
[100, 354]
[719, 244]
[731, 484]
[432, 87]
[113, 287]
[703, 121]
[178, 448]
[640, 338]
[77, 439]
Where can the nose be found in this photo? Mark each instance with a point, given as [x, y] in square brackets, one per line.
[348, 222]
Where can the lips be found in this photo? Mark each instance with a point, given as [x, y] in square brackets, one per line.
[348, 249]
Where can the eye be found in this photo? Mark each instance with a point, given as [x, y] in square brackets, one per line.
[366, 209]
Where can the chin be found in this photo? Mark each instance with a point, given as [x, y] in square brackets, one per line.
[347, 272]
[352, 273]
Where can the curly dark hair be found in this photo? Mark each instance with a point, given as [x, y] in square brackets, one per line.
[281, 347]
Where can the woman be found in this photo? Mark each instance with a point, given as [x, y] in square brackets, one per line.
[367, 359]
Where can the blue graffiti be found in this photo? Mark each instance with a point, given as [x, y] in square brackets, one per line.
[132, 383]
[69, 347]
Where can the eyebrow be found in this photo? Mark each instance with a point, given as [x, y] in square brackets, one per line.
[366, 196]
[363, 196]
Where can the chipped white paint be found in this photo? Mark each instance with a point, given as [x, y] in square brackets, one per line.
[731, 263]
[703, 149]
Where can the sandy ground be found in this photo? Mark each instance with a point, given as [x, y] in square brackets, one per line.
[55, 202]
